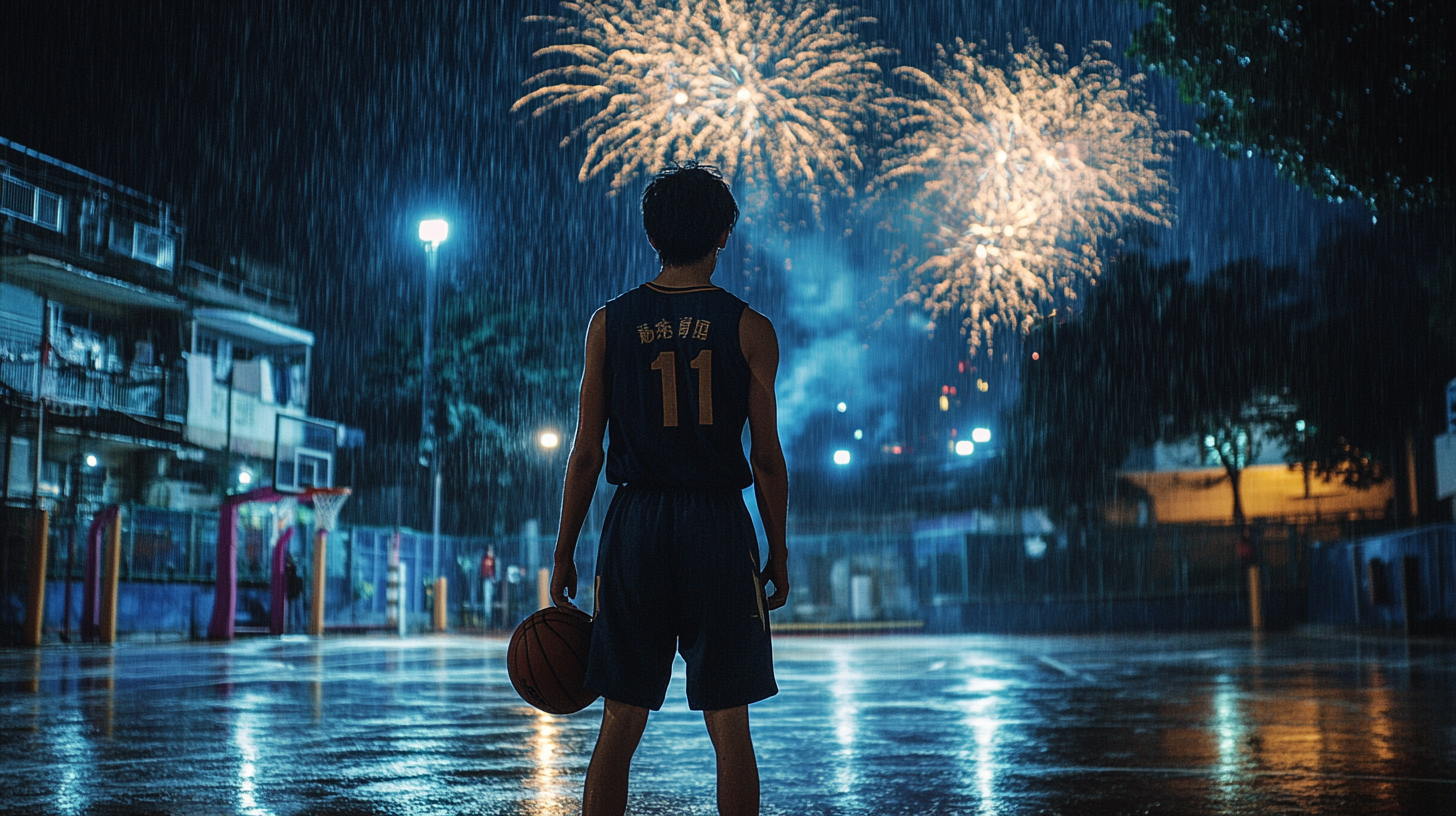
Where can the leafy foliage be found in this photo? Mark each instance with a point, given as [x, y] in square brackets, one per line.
[1158, 356]
[1340, 94]
[502, 371]
[1372, 355]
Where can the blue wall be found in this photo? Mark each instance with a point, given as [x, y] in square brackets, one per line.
[1363, 582]
[1209, 610]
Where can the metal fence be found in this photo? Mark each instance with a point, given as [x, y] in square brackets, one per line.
[150, 391]
[883, 575]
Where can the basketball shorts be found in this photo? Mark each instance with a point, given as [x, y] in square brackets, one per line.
[678, 571]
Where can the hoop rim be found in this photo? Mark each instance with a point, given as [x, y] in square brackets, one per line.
[326, 513]
[326, 491]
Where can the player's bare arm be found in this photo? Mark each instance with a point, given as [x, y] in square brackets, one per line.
[585, 463]
[770, 474]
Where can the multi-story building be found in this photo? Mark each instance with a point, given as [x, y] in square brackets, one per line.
[129, 373]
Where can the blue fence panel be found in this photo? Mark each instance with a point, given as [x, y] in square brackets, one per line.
[1404, 580]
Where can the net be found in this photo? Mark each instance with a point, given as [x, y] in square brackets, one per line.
[327, 502]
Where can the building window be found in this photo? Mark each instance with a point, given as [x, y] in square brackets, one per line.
[152, 246]
[30, 203]
[142, 242]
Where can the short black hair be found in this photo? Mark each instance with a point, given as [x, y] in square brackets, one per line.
[685, 210]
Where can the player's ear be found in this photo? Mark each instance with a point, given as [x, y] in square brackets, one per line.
[722, 239]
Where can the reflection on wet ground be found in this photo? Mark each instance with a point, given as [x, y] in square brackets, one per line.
[1211, 723]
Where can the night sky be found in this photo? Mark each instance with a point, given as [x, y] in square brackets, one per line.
[317, 135]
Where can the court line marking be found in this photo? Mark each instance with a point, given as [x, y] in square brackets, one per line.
[1067, 670]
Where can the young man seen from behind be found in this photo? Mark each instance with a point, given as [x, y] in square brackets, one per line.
[674, 368]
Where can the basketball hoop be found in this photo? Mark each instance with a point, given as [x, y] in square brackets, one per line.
[327, 502]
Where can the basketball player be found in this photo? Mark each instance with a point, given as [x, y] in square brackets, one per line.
[673, 369]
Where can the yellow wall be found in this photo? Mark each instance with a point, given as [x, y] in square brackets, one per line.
[1269, 491]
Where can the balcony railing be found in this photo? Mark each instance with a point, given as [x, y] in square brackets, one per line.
[201, 278]
[155, 392]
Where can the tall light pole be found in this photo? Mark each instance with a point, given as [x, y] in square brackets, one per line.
[433, 232]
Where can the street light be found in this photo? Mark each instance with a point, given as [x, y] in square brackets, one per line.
[549, 440]
[841, 457]
[433, 232]
[981, 435]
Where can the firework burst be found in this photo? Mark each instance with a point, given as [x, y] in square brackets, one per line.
[1019, 172]
[773, 92]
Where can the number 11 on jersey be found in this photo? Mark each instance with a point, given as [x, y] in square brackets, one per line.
[666, 363]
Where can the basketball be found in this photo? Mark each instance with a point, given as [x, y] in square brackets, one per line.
[547, 660]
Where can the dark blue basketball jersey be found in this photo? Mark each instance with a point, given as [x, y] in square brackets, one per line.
[677, 386]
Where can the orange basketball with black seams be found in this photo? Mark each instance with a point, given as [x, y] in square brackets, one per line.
[546, 660]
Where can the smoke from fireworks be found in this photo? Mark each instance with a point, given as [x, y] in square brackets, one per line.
[770, 92]
[1023, 170]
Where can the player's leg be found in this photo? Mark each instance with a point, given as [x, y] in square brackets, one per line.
[737, 767]
[606, 776]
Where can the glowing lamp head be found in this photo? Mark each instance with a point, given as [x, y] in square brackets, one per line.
[245, 477]
[679, 98]
[434, 232]
[982, 435]
[549, 439]
[841, 457]
[742, 94]
[1000, 157]
[965, 447]
[841, 407]
[1299, 425]
[91, 460]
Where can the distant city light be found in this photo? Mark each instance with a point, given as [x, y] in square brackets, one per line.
[1035, 355]
[982, 386]
[897, 450]
[245, 477]
[858, 434]
[982, 435]
[549, 439]
[841, 457]
[91, 460]
[1209, 441]
[1299, 425]
[965, 447]
[842, 407]
[434, 231]
[944, 403]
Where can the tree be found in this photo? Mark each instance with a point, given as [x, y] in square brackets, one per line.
[1373, 354]
[1158, 356]
[503, 372]
[1339, 94]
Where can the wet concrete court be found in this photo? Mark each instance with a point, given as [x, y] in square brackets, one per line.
[1212, 723]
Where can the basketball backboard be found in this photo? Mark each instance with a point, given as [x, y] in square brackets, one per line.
[303, 453]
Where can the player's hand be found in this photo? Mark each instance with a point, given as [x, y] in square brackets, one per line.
[776, 572]
[563, 583]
